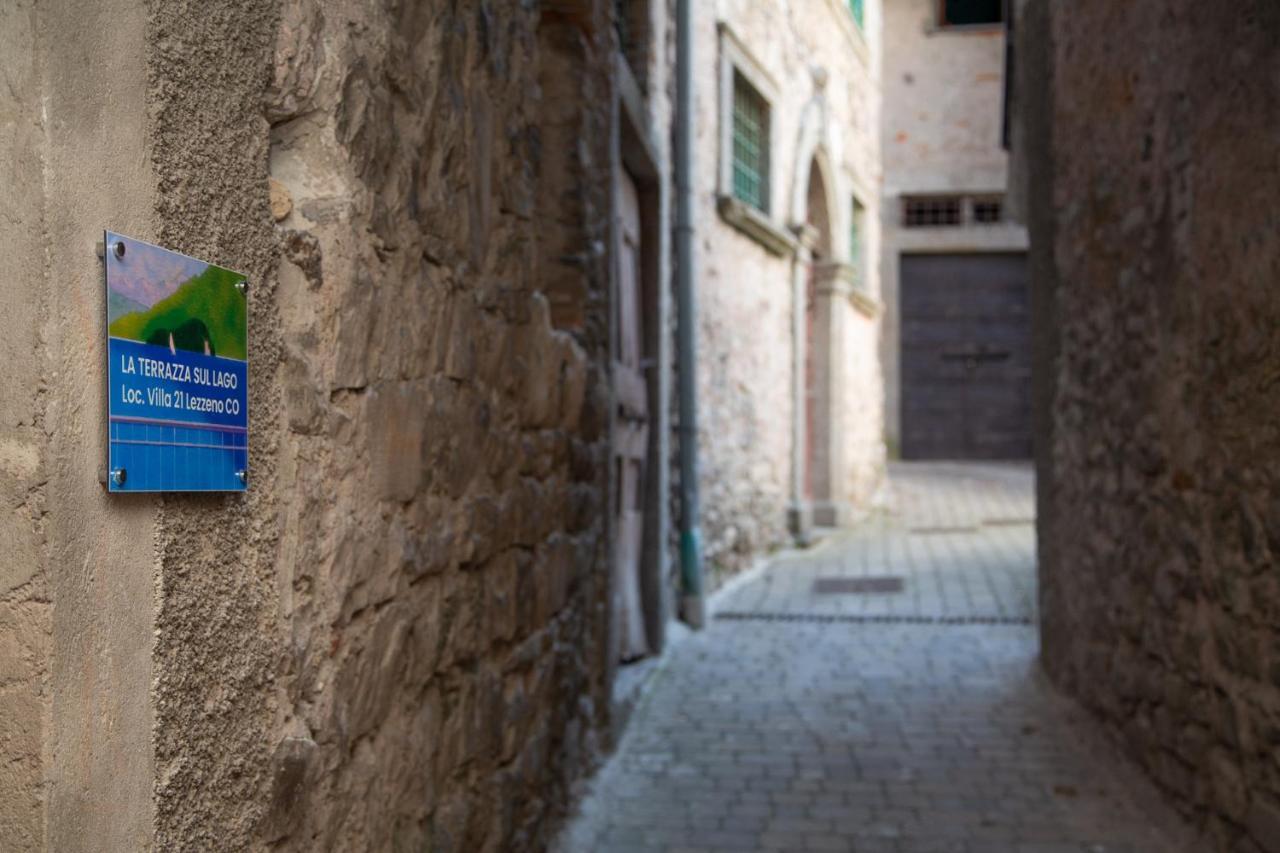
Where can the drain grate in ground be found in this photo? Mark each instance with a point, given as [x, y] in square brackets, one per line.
[869, 619]
[865, 585]
[935, 530]
[1007, 522]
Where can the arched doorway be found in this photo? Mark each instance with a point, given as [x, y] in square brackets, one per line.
[817, 250]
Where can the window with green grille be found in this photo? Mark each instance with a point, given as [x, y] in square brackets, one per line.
[750, 145]
[856, 7]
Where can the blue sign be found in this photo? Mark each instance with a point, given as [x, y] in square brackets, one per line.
[177, 368]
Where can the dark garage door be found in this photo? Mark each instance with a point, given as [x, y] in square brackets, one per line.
[966, 357]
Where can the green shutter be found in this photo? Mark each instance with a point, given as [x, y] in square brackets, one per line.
[750, 145]
[856, 7]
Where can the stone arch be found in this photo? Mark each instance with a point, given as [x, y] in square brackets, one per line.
[815, 149]
[819, 209]
[814, 214]
[816, 256]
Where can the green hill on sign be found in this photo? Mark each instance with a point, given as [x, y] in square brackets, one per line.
[205, 314]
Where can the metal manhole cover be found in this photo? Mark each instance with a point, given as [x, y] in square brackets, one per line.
[867, 584]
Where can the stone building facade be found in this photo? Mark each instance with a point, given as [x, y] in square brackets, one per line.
[790, 404]
[455, 221]
[1146, 136]
[401, 637]
[945, 181]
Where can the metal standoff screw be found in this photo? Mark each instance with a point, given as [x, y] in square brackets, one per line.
[117, 476]
[244, 476]
[242, 286]
[118, 248]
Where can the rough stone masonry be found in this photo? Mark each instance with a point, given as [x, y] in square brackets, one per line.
[1150, 135]
[396, 640]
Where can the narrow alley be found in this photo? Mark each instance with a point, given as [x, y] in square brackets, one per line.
[596, 426]
[878, 692]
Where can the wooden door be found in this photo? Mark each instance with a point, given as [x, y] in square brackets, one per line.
[966, 357]
[632, 426]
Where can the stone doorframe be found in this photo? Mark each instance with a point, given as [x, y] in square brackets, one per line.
[833, 287]
[834, 280]
[635, 150]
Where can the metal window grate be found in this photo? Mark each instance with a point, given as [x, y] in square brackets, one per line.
[856, 7]
[988, 211]
[750, 145]
[933, 212]
[952, 210]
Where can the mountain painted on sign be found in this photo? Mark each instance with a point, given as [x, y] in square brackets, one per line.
[205, 314]
[118, 305]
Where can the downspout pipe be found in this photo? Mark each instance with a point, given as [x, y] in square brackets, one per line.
[693, 602]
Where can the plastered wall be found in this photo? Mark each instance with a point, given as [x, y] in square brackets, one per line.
[25, 617]
[100, 555]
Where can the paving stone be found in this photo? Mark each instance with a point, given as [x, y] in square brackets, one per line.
[913, 737]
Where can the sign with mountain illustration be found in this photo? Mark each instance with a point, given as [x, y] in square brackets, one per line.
[177, 370]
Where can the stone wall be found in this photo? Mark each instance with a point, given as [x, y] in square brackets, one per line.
[824, 70]
[396, 639]
[1155, 209]
[943, 106]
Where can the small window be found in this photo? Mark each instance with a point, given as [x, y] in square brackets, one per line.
[952, 210]
[933, 212]
[744, 183]
[967, 13]
[857, 8]
[988, 211]
[857, 235]
[750, 144]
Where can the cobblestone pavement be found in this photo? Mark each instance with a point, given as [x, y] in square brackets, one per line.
[962, 538]
[851, 731]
